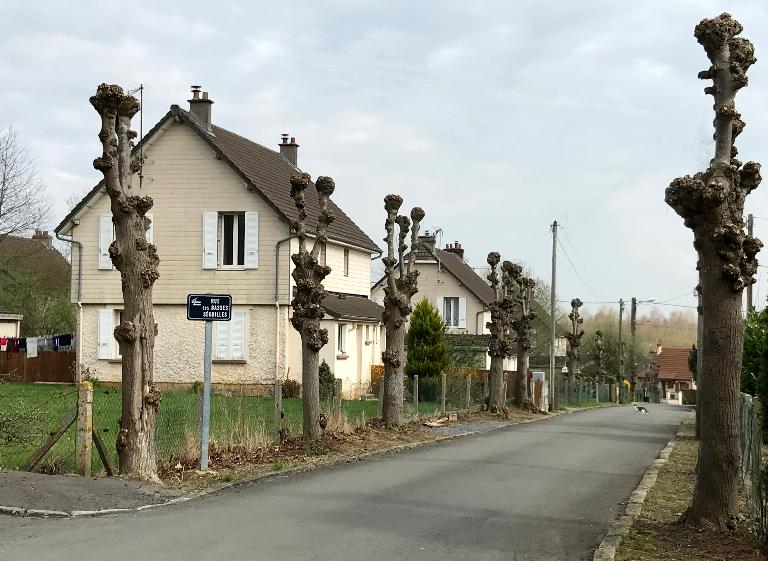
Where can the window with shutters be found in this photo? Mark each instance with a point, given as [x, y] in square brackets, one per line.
[231, 240]
[230, 338]
[451, 311]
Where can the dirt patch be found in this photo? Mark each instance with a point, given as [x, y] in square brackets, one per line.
[657, 533]
[238, 462]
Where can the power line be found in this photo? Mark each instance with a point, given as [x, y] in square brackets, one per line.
[578, 257]
[575, 270]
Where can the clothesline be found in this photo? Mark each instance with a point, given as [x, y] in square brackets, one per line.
[31, 345]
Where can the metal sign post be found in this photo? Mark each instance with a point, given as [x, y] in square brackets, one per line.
[207, 308]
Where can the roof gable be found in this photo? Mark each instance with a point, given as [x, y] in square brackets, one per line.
[672, 363]
[266, 171]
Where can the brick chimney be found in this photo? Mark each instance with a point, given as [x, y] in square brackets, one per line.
[455, 248]
[44, 237]
[200, 106]
[289, 150]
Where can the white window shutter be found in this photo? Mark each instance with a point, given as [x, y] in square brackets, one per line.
[210, 227]
[150, 234]
[222, 340]
[251, 240]
[105, 238]
[105, 334]
[237, 335]
[440, 305]
[462, 313]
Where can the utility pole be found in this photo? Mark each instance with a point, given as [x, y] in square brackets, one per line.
[750, 231]
[621, 343]
[553, 296]
[632, 357]
[699, 357]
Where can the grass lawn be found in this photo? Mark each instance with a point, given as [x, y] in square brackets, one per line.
[29, 412]
[657, 535]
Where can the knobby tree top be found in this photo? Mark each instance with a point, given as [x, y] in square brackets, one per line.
[712, 202]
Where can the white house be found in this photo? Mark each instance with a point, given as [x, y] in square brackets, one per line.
[221, 222]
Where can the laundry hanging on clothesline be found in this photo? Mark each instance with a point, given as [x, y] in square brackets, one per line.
[33, 345]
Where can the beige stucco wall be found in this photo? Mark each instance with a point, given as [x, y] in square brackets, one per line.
[180, 344]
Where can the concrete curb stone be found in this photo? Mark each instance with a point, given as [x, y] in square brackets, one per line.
[265, 477]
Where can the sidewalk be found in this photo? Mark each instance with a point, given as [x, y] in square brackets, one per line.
[34, 494]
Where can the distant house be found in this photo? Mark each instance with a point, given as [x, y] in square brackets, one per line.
[670, 372]
[462, 297]
[221, 222]
[10, 323]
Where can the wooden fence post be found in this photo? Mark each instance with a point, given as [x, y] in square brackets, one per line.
[278, 409]
[337, 388]
[416, 394]
[469, 390]
[84, 438]
[442, 393]
[381, 398]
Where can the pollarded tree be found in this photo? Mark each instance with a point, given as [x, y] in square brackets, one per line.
[712, 205]
[574, 342]
[523, 326]
[307, 304]
[500, 344]
[137, 261]
[400, 288]
[427, 350]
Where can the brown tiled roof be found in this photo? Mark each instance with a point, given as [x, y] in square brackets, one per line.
[466, 276]
[348, 306]
[267, 172]
[672, 363]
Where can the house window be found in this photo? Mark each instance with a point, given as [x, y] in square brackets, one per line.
[230, 337]
[367, 334]
[342, 338]
[346, 262]
[231, 239]
[451, 311]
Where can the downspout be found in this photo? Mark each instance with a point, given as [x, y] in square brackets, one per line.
[79, 245]
[277, 303]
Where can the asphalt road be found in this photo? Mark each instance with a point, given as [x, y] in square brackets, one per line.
[541, 491]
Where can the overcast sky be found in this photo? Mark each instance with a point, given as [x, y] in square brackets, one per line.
[497, 117]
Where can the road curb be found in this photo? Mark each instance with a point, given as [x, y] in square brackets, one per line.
[619, 528]
[265, 477]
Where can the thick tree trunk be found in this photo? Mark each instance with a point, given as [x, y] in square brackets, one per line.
[392, 408]
[310, 390]
[521, 391]
[496, 387]
[715, 498]
[137, 262]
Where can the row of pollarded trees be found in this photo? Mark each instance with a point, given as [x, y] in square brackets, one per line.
[511, 328]
[307, 304]
[137, 260]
